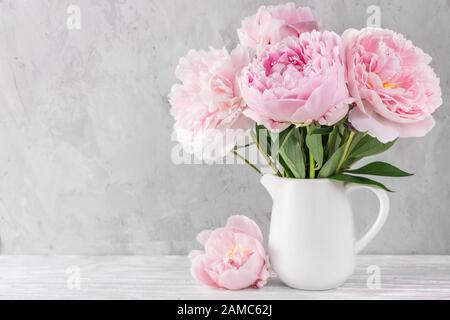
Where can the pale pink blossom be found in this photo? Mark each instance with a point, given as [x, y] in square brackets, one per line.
[394, 87]
[273, 23]
[207, 105]
[298, 80]
[234, 257]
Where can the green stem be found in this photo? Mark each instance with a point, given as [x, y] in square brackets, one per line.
[312, 164]
[244, 146]
[312, 170]
[266, 157]
[330, 143]
[345, 154]
[246, 161]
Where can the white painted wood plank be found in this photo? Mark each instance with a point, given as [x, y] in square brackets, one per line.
[142, 277]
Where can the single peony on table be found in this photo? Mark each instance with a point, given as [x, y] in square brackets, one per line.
[313, 102]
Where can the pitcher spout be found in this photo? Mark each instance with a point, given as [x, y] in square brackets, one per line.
[269, 181]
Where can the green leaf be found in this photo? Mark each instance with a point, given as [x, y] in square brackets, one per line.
[263, 139]
[331, 143]
[379, 168]
[359, 180]
[322, 130]
[343, 132]
[287, 172]
[257, 127]
[365, 147]
[330, 166]
[356, 139]
[299, 134]
[292, 154]
[314, 143]
[279, 139]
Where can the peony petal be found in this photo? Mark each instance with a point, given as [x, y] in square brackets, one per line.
[374, 125]
[203, 236]
[246, 241]
[220, 242]
[199, 273]
[276, 110]
[322, 99]
[207, 104]
[279, 86]
[385, 130]
[375, 103]
[194, 254]
[264, 275]
[335, 114]
[418, 129]
[348, 38]
[246, 225]
[244, 277]
[394, 87]
[272, 24]
[271, 125]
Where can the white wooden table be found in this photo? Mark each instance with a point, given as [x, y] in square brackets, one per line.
[139, 277]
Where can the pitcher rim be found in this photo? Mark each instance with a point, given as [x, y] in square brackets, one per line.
[316, 180]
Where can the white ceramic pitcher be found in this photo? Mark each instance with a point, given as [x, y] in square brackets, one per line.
[311, 241]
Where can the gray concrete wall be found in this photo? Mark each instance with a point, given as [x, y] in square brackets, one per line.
[85, 130]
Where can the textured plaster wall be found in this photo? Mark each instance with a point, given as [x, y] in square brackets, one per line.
[85, 130]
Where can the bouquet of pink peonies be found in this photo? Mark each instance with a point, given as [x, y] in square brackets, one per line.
[313, 102]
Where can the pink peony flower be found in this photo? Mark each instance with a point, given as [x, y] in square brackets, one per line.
[274, 23]
[298, 80]
[395, 89]
[234, 257]
[207, 105]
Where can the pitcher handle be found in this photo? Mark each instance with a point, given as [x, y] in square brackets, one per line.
[382, 214]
